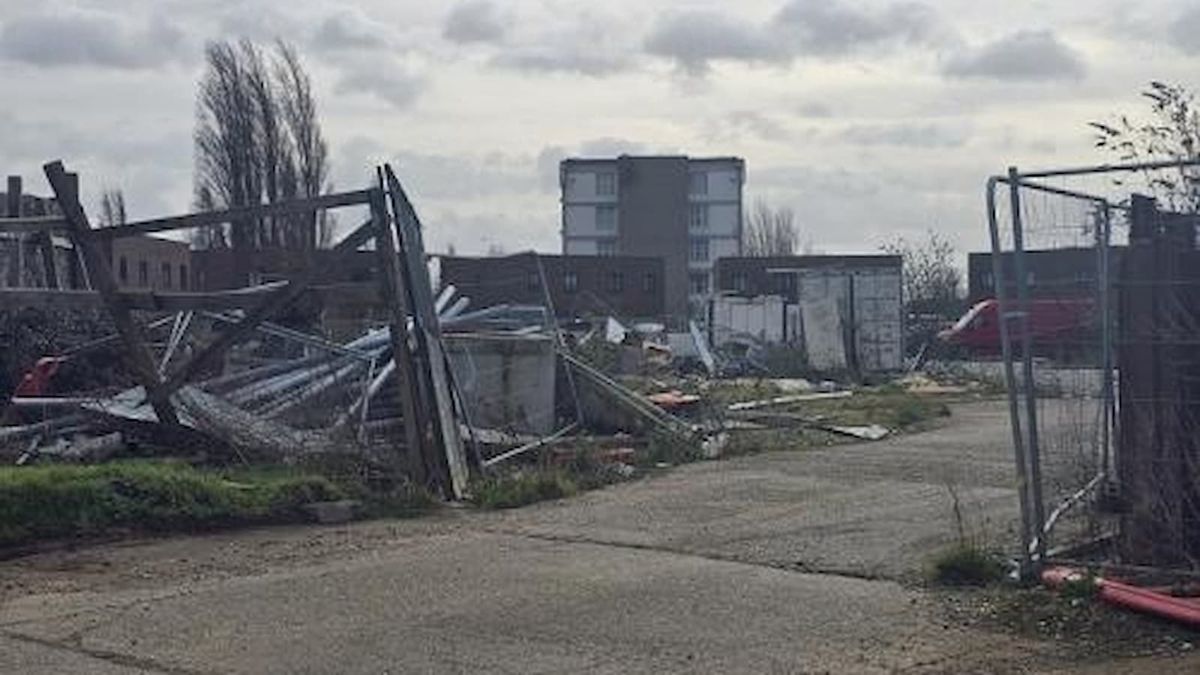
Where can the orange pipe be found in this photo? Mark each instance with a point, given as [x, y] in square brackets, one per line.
[1182, 610]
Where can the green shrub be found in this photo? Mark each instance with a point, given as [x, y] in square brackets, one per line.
[512, 491]
[965, 565]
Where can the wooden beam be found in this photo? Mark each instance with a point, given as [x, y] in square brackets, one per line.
[407, 384]
[412, 248]
[140, 360]
[235, 216]
[13, 210]
[27, 224]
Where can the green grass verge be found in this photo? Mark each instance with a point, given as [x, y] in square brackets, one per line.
[519, 489]
[61, 501]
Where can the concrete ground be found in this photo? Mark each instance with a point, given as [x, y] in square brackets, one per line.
[786, 562]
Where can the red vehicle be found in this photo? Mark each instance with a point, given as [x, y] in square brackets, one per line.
[1058, 323]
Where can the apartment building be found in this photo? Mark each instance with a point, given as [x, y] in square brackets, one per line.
[685, 210]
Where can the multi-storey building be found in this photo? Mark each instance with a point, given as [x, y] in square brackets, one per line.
[686, 211]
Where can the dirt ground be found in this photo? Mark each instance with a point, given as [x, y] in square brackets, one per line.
[783, 562]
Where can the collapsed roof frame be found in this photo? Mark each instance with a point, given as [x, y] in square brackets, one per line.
[434, 453]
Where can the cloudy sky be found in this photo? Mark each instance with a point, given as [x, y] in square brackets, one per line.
[869, 118]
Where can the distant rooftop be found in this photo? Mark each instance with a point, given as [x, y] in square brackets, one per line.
[589, 160]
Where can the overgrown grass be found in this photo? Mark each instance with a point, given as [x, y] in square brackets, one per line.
[60, 501]
[889, 405]
[520, 489]
[966, 565]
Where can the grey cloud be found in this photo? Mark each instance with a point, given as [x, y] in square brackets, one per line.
[579, 59]
[390, 84]
[588, 43]
[259, 21]
[347, 30]
[696, 38]
[89, 39]
[474, 21]
[1029, 55]
[905, 134]
[833, 28]
[1184, 31]
[823, 28]
[741, 123]
[609, 146]
[547, 167]
[457, 177]
[815, 109]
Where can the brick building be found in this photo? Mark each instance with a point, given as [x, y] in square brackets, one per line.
[1062, 272]
[580, 285]
[146, 263]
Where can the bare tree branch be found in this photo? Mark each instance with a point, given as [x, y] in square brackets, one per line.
[770, 232]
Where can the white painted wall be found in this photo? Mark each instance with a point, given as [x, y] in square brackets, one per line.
[724, 180]
[723, 219]
[580, 183]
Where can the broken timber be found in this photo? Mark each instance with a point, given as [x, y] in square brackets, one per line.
[140, 360]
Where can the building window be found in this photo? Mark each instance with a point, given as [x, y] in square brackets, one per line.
[570, 281]
[741, 282]
[183, 277]
[784, 283]
[615, 282]
[533, 281]
[166, 275]
[123, 270]
[606, 218]
[698, 218]
[143, 273]
[606, 247]
[649, 282]
[606, 184]
[698, 250]
[698, 183]
[698, 283]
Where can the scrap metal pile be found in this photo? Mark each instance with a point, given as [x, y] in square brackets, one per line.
[430, 390]
[215, 374]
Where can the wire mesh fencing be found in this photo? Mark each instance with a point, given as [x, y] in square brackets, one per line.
[1097, 309]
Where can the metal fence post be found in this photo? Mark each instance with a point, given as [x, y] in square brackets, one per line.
[1032, 451]
[1004, 312]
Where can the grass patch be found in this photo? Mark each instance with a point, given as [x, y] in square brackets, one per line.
[889, 405]
[669, 448]
[519, 489]
[965, 565]
[61, 501]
